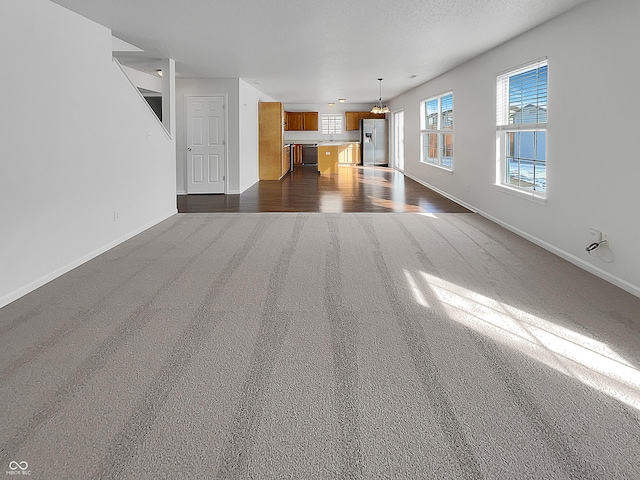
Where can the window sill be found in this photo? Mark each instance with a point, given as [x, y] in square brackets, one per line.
[446, 169]
[532, 197]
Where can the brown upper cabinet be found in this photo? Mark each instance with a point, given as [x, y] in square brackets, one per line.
[293, 121]
[301, 121]
[310, 120]
[353, 119]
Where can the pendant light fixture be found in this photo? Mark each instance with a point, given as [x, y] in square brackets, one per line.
[379, 107]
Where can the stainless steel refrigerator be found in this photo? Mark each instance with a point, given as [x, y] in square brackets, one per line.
[374, 139]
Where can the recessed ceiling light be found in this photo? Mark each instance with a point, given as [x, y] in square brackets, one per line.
[332, 104]
[342, 100]
[413, 76]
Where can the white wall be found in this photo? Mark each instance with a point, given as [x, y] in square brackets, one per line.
[248, 151]
[78, 144]
[144, 80]
[214, 87]
[242, 125]
[350, 136]
[593, 161]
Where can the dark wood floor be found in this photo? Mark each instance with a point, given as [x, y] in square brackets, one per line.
[353, 189]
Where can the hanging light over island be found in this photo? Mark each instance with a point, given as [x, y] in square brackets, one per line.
[380, 107]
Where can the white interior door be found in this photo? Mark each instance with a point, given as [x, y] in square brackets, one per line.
[398, 140]
[206, 139]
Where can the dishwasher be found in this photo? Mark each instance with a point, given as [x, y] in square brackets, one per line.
[310, 154]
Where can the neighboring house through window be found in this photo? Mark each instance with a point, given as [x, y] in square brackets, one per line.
[521, 128]
[436, 126]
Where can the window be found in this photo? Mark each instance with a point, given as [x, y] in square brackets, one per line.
[331, 123]
[521, 128]
[436, 125]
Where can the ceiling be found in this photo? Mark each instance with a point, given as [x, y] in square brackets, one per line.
[316, 51]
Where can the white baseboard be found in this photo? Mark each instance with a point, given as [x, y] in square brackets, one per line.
[16, 294]
[441, 192]
[569, 257]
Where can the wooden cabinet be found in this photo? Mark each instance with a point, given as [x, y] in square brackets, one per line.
[328, 156]
[301, 121]
[310, 121]
[293, 121]
[355, 154]
[352, 119]
[286, 159]
[349, 153]
[271, 141]
[297, 154]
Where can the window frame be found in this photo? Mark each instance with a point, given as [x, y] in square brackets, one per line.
[504, 128]
[331, 120]
[439, 131]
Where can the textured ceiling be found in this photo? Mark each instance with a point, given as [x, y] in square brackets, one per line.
[316, 51]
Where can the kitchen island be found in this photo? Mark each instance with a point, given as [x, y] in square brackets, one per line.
[330, 153]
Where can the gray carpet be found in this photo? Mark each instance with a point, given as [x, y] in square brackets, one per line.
[319, 346]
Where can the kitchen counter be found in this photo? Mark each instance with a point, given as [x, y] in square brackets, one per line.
[338, 143]
[320, 143]
[325, 154]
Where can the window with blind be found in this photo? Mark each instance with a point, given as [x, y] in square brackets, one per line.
[331, 124]
[521, 128]
[436, 127]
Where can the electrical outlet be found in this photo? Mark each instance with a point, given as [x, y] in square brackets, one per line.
[115, 215]
[595, 236]
[607, 240]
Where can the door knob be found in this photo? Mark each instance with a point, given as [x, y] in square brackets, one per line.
[189, 149]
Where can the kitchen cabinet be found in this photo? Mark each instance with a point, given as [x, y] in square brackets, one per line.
[352, 119]
[294, 121]
[297, 154]
[271, 141]
[301, 121]
[349, 153]
[310, 121]
[286, 158]
[328, 156]
[355, 154]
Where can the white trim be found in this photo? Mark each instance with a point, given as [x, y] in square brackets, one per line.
[331, 121]
[446, 169]
[442, 192]
[226, 138]
[431, 97]
[16, 294]
[439, 131]
[120, 67]
[569, 257]
[528, 127]
[523, 67]
[525, 194]
[503, 127]
[393, 139]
